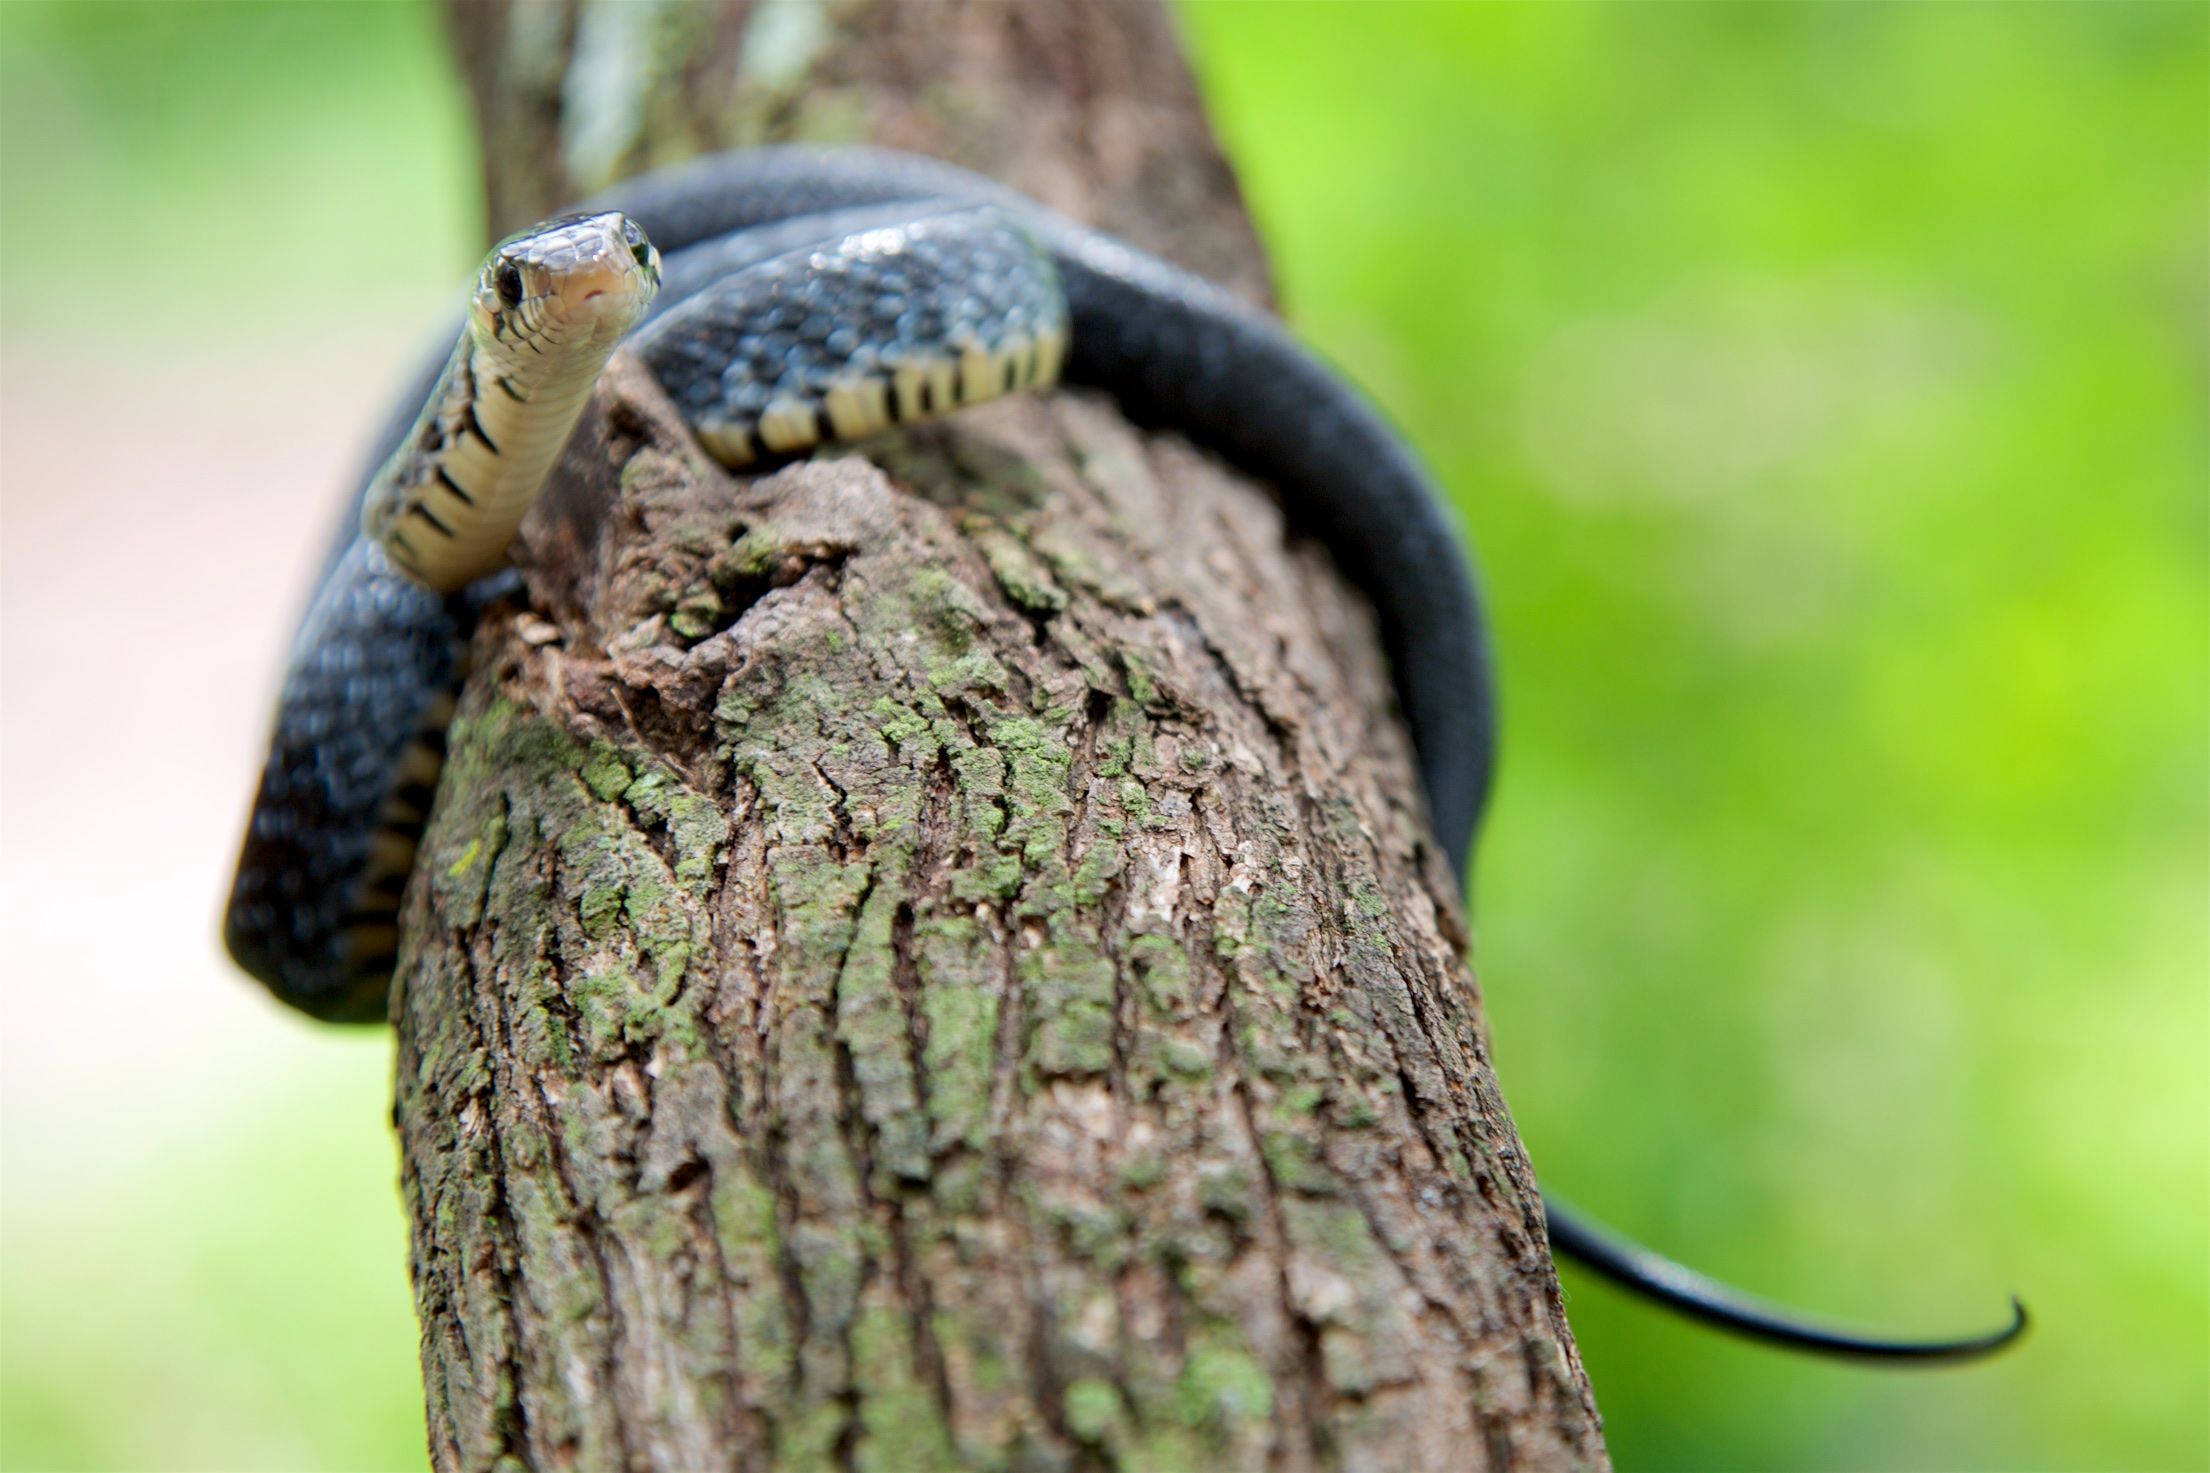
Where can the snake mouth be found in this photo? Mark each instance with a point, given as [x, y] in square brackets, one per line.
[592, 293]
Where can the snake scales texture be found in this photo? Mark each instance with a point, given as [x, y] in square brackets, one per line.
[812, 294]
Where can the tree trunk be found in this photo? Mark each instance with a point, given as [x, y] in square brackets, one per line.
[935, 959]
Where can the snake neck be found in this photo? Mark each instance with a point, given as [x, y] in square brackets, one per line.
[447, 503]
[549, 306]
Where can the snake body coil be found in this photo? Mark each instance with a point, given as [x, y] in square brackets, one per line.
[811, 295]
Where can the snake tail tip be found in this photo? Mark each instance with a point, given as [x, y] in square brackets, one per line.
[1978, 1347]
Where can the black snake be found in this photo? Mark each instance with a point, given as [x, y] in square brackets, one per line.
[814, 295]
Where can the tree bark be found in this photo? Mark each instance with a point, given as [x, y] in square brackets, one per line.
[933, 957]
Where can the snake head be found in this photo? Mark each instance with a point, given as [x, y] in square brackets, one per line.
[575, 278]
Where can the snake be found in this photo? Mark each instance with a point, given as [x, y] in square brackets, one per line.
[809, 296]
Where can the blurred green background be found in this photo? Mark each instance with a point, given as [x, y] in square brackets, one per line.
[1825, 388]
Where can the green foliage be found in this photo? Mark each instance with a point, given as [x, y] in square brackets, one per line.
[1823, 385]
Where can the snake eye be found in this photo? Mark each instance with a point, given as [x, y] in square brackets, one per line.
[640, 249]
[508, 279]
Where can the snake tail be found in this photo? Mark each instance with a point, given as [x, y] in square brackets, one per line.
[1710, 1302]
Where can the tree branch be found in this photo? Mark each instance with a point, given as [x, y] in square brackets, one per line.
[931, 960]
